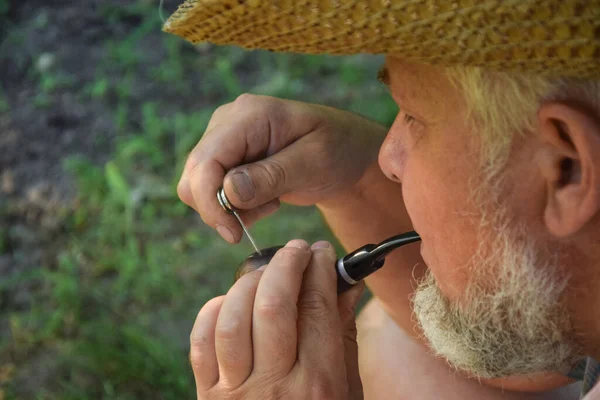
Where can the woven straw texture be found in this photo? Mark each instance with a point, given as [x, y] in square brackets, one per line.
[554, 37]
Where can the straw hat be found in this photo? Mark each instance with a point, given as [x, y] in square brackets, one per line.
[555, 37]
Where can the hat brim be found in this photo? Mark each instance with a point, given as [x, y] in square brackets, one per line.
[553, 37]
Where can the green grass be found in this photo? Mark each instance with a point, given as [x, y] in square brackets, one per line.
[98, 89]
[137, 264]
[50, 83]
[171, 70]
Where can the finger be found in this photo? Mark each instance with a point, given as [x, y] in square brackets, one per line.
[233, 335]
[319, 325]
[222, 113]
[274, 325]
[243, 136]
[203, 357]
[251, 185]
[184, 190]
[205, 181]
[202, 176]
[347, 303]
[241, 132]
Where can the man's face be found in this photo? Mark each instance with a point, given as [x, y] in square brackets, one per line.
[492, 303]
[432, 151]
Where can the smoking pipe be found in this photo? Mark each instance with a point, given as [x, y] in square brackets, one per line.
[350, 269]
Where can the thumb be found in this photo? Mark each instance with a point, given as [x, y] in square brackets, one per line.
[348, 300]
[255, 184]
[347, 303]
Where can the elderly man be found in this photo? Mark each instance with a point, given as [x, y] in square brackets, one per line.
[494, 158]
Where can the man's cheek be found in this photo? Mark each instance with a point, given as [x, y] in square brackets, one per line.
[409, 196]
[417, 200]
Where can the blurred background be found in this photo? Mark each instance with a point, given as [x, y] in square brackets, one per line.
[102, 269]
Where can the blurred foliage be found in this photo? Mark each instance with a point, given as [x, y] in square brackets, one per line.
[4, 8]
[112, 317]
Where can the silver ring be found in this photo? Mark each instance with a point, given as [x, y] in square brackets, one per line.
[342, 272]
[224, 202]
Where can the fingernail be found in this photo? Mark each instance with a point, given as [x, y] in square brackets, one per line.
[298, 243]
[243, 186]
[225, 233]
[321, 245]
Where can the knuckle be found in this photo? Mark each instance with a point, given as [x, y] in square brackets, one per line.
[274, 174]
[230, 330]
[198, 175]
[194, 157]
[198, 357]
[183, 191]
[245, 100]
[196, 169]
[274, 307]
[314, 302]
[229, 359]
[222, 109]
[322, 148]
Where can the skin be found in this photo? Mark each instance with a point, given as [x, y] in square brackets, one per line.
[425, 151]
[307, 154]
[258, 341]
[420, 147]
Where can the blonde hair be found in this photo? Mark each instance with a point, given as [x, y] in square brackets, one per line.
[504, 105]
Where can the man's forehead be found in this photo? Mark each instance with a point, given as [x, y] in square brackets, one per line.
[420, 88]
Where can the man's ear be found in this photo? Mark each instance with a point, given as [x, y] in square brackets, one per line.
[569, 160]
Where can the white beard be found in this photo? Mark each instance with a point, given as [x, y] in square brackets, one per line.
[511, 320]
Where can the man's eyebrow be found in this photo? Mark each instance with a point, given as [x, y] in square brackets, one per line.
[383, 76]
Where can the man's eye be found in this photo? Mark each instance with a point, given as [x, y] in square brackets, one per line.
[414, 127]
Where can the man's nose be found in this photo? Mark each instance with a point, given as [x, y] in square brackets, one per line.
[392, 157]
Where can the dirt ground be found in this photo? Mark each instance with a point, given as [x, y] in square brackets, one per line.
[62, 37]
[50, 53]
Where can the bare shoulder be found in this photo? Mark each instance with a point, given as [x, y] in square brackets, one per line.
[393, 365]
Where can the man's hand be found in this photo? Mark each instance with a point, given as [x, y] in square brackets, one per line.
[263, 149]
[280, 333]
